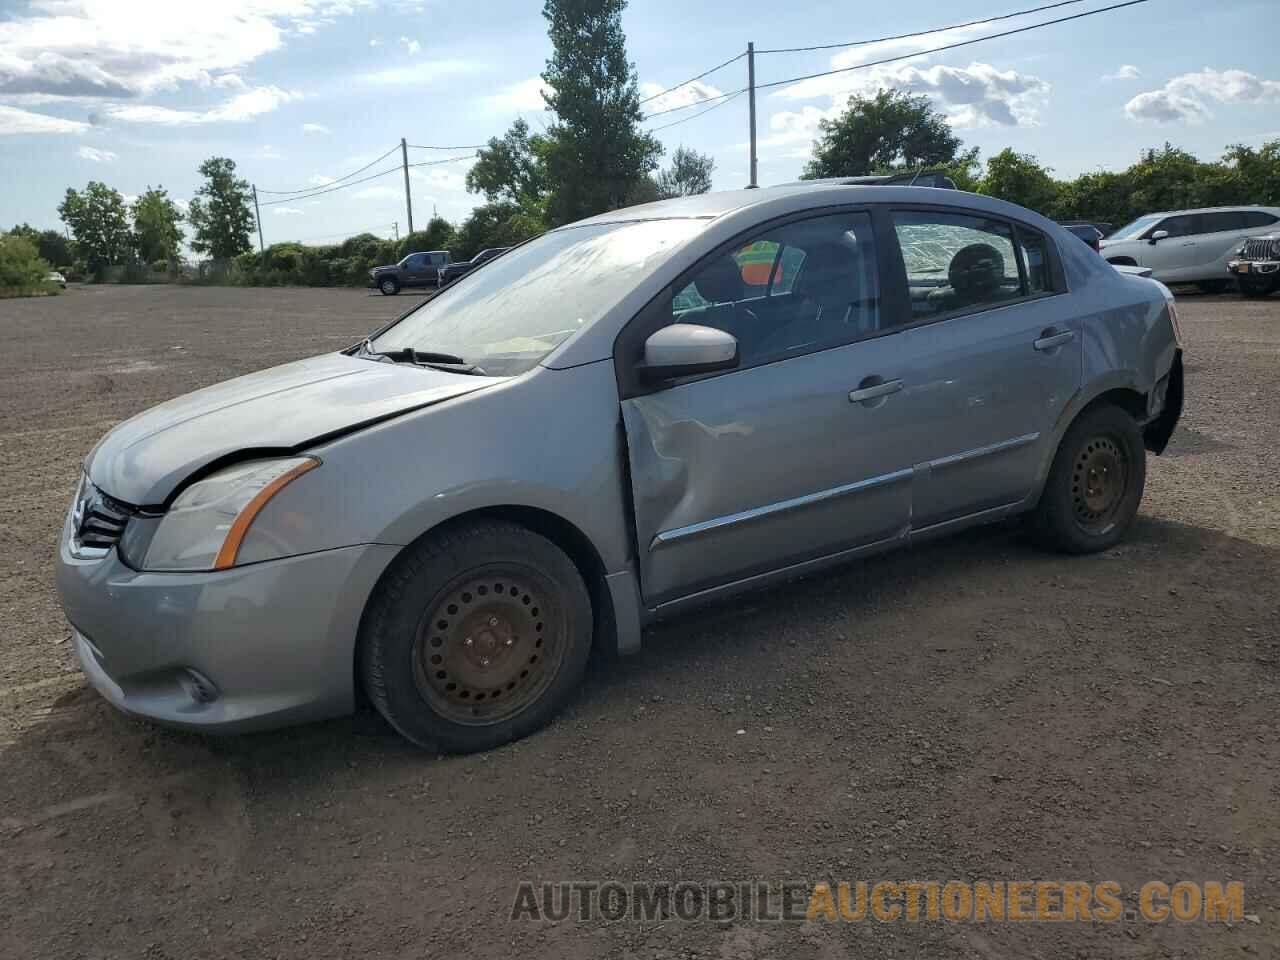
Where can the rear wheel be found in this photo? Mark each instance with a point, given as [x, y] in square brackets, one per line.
[1213, 286]
[1095, 484]
[389, 286]
[475, 637]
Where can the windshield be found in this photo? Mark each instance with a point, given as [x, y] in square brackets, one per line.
[1134, 230]
[508, 316]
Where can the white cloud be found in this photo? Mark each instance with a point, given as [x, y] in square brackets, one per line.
[525, 95]
[421, 74]
[14, 120]
[96, 155]
[375, 42]
[320, 180]
[974, 96]
[1127, 71]
[378, 193]
[413, 46]
[287, 211]
[243, 106]
[268, 152]
[687, 95]
[1185, 98]
[106, 48]
[315, 128]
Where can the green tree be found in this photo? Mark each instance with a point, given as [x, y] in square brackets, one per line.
[21, 269]
[689, 173]
[221, 214]
[1018, 178]
[499, 224]
[156, 233]
[52, 245]
[596, 152]
[1258, 171]
[99, 220]
[890, 131]
[512, 169]
[437, 236]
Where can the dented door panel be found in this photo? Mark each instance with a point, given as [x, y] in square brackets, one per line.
[758, 469]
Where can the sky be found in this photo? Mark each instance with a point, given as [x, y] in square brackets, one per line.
[138, 93]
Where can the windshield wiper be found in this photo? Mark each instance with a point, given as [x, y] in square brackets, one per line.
[427, 358]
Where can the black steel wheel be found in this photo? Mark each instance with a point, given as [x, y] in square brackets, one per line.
[1095, 484]
[389, 286]
[476, 635]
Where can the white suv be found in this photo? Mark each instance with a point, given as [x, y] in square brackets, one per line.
[1189, 246]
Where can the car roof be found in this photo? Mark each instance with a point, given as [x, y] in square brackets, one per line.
[720, 203]
[1241, 208]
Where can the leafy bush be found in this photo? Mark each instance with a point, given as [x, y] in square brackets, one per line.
[22, 272]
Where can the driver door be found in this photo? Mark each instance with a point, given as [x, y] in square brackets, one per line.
[772, 464]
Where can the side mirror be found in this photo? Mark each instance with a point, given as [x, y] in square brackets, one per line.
[686, 349]
[1158, 236]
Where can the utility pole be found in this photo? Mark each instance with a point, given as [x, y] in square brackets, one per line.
[408, 201]
[257, 215]
[395, 225]
[751, 107]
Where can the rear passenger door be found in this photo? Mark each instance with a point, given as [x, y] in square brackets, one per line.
[991, 355]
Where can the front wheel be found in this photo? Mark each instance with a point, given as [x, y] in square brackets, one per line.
[1254, 289]
[1213, 286]
[389, 287]
[475, 636]
[1095, 483]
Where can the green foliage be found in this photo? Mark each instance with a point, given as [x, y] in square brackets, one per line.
[22, 272]
[689, 174]
[221, 212]
[156, 233]
[496, 225]
[512, 169]
[595, 152]
[437, 236]
[52, 245]
[1018, 178]
[890, 131]
[100, 221]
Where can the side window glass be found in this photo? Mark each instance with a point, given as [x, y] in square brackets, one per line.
[1256, 218]
[825, 289]
[956, 261]
[1221, 222]
[1179, 226]
[1034, 250]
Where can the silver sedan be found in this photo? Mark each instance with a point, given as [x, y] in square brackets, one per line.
[624, 418]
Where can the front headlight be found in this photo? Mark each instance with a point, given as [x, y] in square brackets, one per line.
[206, 525]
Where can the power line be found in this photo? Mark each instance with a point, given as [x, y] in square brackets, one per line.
[924, 33]
[951, 46]
[472, 146]
[332, 189]
[432, 163]
[695, 103]
[331, 182]
[707, 73]
[700, 113]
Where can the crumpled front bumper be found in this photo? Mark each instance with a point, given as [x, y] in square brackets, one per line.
[259, 646]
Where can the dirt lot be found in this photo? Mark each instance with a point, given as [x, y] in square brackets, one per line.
[972, 709]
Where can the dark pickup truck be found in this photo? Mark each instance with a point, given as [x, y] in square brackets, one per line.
[416, 270]
[452, 271]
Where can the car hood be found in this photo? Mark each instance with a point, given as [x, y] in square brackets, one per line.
[282, 409]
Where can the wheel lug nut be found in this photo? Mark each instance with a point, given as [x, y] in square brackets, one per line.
[509, 641]
[484, 661]
[493, 621]
[466, 642]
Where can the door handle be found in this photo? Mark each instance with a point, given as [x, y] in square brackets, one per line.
[1052, 340]
[875, 391]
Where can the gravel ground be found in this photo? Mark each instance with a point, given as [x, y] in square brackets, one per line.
[970, 709]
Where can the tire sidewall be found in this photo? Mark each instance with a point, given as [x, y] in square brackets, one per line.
[388, 287]
[413, 591]
[1056, 517]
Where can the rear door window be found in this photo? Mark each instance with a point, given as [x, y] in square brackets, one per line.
[1257, 218]
[957, 262]
[1222, 222]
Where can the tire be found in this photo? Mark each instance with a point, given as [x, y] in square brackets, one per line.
[1085, 507]
[1255, 290]
[1213, 286]
[389, 286]
[475, 636]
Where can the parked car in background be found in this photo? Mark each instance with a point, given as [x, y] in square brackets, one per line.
[615, 422]
[56, 277]
[1087, 232]
[416, 270]
[1189, 246]
[1256, 265]
[453, 271]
